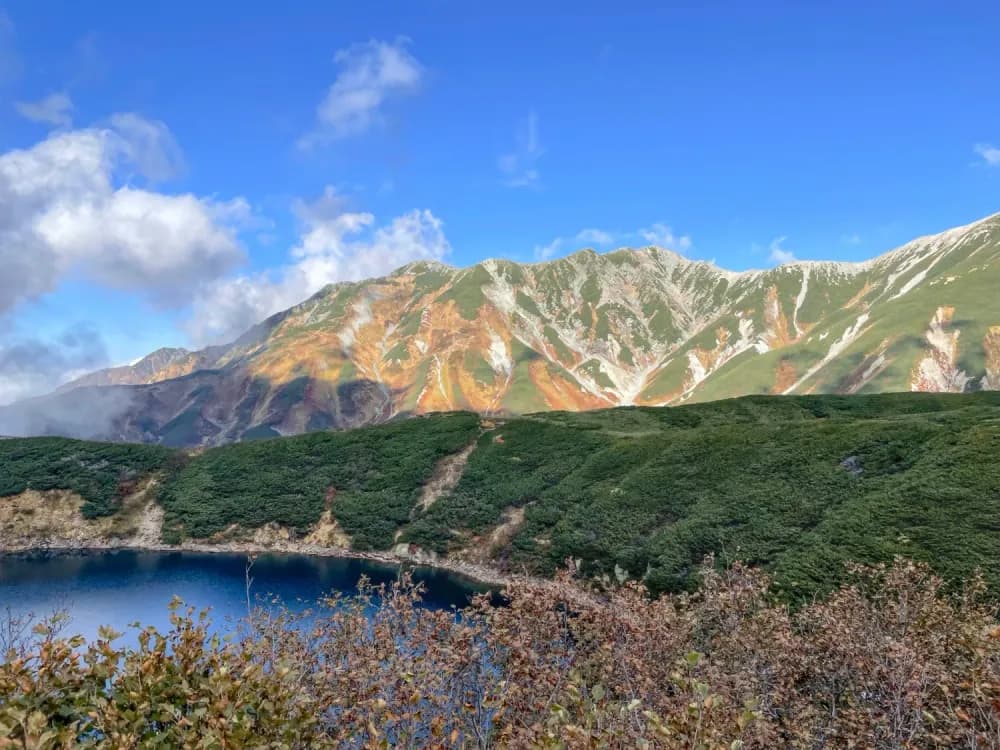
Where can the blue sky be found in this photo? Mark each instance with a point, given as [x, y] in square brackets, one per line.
[194, 166]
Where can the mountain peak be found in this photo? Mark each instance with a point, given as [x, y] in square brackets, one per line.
[423, 266]
[631, 326]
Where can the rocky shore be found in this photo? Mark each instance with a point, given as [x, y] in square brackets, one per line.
[480, 574]
[51, 522]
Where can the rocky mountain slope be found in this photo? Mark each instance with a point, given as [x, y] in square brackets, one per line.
[634, 326]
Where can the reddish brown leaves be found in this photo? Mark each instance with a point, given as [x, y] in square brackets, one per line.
[888, 661]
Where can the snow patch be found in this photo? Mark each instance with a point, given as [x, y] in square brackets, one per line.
[501, 292]
[873, 368]
[838, 346]
[800, 299]
[439, 375]
[698, 371]
[499, 357]
[362, 315]
[696, 368]
[914, 281]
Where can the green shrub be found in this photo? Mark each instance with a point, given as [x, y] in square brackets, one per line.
[796, 485]
[98, 472]
[369, 477]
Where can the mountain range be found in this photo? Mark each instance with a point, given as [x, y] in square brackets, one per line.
[642, 326]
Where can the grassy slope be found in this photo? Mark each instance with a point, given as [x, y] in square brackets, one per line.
[960, 280]
[648, 490]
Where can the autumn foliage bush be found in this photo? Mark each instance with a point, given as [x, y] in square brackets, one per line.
[889, 660]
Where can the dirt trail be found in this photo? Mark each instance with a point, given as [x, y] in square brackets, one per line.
[446, 476]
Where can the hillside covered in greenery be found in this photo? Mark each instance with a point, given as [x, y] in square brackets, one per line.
[101, 473]
[797, 485]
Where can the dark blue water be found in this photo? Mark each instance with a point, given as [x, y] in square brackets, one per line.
[119, 588]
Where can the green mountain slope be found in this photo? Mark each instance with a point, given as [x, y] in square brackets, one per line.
[630, 327]
[797, 484]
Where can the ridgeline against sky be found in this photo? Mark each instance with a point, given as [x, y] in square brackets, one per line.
[643, 326]
[173, 176]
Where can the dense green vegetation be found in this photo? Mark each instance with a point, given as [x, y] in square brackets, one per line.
[100, 472]
[370, 477]
[758, 479]
[798, 485]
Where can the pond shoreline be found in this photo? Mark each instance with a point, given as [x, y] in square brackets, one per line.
[479, 574]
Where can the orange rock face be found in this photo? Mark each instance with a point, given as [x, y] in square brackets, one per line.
[991, 347]
[629, 327]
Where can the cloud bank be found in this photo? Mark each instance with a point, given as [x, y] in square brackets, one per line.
[335, 245]
[31, 366]
[68, 208]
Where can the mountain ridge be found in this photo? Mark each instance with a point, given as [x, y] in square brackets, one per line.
[640, 326]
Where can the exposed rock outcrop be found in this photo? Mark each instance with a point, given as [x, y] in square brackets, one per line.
[633, 326]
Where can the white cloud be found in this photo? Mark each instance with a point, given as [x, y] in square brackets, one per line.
[851, 239]
[369, 74]
[595, 236]
[547, 252]
[135, 239]
[29, 367]
[662, 235]
[149, 145]
[335, 245]
[54, 109]
[65, 211]
[658, 234]
[778, 254]
[990, 153]
[519, 168]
